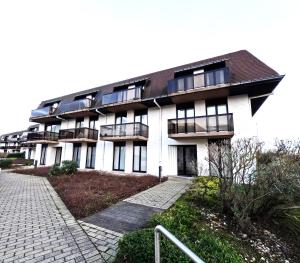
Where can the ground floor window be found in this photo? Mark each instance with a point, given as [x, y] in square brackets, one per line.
[76, 153]
[119, 157]
[90, 156]
[43, 154]
[58, 155]
[140, 157]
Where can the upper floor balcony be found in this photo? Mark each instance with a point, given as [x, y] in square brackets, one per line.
[210, 126]
[42, 112]
[78, 135]
[75, 108]
[42, 137]
[200, 80]
[122, 96]
[124, 132]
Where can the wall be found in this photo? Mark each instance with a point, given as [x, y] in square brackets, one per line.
[161, 150]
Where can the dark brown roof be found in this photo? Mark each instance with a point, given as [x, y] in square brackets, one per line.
[243, 66]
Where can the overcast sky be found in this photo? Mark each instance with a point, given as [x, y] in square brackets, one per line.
[52, 48]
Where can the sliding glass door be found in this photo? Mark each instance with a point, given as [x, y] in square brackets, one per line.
[140, 157]
[76, 153]
[119, 157]
[91, 156]
[187, 160]
[43, 154]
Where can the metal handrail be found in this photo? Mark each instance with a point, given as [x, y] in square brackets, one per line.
[160, 229]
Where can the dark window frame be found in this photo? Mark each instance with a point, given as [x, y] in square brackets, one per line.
[139, 144]
[119, 144]
[92, 163]
[140, 113]
[43, 154]
[78, 155]
[56, 152]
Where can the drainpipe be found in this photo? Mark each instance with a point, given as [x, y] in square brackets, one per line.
[60, 118]
[100, 113]
[261, 96]
[160, 150]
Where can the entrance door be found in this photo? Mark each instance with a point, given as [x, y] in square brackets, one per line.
[58, 155]
[187, 160]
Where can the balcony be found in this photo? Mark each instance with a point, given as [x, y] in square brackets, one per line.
[42, 137]
[76, 108]
[42, 112]
[78, 135]
[205, 79]
[124, 132]
[122, 96]
[211, 126]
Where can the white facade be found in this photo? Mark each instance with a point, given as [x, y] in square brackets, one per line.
[161, 149]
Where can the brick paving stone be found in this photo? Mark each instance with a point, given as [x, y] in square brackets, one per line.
[36, 226]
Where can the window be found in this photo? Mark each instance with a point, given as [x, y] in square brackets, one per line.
[141, 116]
[90, 156]
[121, 117]
[53, 127]
[79, 123]
[217, 112]
[140, 157]
[92, 123]
[119, 157]
[76, 153]
[185, 118]
[43, 154]
[58, 155]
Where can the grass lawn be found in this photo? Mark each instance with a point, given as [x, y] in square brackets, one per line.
[86, 193]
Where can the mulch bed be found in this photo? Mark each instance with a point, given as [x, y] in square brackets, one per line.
[86, 193]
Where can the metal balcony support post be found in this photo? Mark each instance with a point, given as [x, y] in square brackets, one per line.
[175, 241]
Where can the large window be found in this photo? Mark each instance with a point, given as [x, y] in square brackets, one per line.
[140, 157]
[92, 123]
[79, 123]
[58, 155]
[121, 117]
[119, 157]
[141, 116]
[90, 156]
[217, 119]
[53, 127]
[43, 154]
[76, 153]
[185, 118]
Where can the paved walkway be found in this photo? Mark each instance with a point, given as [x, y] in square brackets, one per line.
[35, 225]
[134, 212]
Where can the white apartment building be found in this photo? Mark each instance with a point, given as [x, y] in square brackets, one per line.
[16, 142]
[156, 123]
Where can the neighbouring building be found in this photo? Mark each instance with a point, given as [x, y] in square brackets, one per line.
[164, 119]
[15, 142]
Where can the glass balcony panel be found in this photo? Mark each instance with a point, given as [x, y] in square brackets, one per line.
[220, 76]
[223, 122]
[123, 130]
[181, 125]
[209, 78]
[211, 123]
[75, 105]
[122, 96]
[190, 125]
[41, 112]
[189, 81]
[180, 84]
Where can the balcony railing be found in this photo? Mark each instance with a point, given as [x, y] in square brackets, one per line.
[42, 112]
[202, 124]
[78, 133]
[122, 96]
[42, 136]
[75, 105]
[209, 78]
[124, 130]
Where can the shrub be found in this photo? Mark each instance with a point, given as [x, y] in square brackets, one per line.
[253, 184]
[55, 170]
[183, 221]
[16, 155]
[69, 167]
[5, 163]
